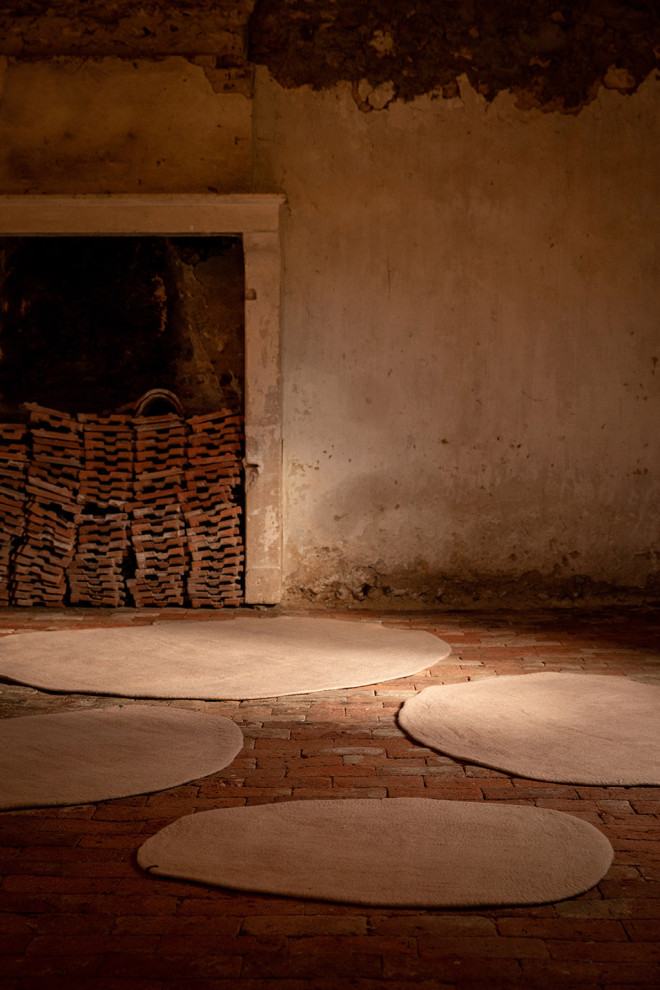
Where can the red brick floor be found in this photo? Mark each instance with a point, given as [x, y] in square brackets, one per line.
[78, 912]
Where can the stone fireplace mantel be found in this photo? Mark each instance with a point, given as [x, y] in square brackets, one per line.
[256, 218]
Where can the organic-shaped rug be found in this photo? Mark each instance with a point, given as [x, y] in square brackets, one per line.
[408, 852]
[568, 728]
[245, 657]
[80, 757]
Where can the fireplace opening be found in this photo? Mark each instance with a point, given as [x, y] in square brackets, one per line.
[254, 219]
[122, 421]
[89, 324]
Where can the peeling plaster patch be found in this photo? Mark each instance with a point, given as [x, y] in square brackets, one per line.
[554, 59]
[227, 80]
[383, 42]
[618, 78]
[368, 97]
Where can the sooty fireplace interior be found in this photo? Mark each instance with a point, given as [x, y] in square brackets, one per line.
[90, 324]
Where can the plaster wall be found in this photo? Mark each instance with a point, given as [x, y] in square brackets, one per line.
[469, 313]
[470, 343]
[95, 125]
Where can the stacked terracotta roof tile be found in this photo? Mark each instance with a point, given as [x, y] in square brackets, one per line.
[211, 510]
[51, 511]
[13, 472]
[96, 574]
[96, 506]
[107, 476]
[157, 527]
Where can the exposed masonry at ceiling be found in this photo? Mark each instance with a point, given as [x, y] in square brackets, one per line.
[552, 55]
[122, 27]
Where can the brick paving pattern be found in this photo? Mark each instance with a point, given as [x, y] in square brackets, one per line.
[76, 911]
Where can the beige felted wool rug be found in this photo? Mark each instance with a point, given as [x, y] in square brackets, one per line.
[80, 757]
[568, 728]
[408, 852]
[245, 657]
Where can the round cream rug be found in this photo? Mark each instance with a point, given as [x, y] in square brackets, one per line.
[569, 728]
[245, 657]
[80, 757]
[407, 852]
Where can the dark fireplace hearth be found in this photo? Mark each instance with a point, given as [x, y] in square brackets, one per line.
[89, 324]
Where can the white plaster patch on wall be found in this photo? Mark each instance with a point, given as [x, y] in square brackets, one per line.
[368, 97]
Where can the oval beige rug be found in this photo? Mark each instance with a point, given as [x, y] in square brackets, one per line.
[245, 657]
[408, 852]
[80, 757]
[568, 728]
